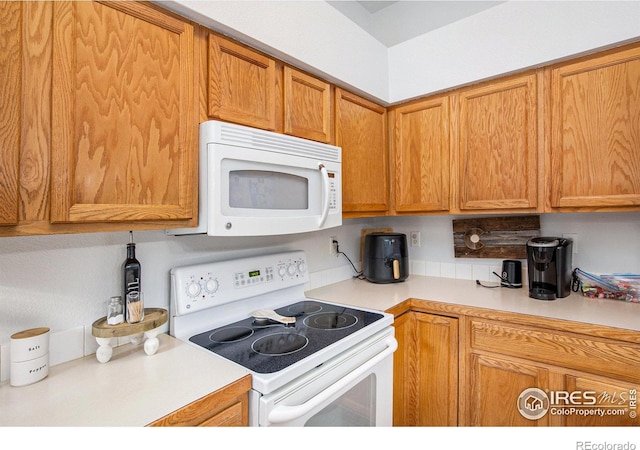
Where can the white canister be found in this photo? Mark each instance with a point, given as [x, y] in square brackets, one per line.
[29, 356]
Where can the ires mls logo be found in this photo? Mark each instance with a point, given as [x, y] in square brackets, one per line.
[534, 403]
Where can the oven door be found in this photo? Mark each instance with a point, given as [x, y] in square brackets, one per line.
[353, 389]
[256, 192]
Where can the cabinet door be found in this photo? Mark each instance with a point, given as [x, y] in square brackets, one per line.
[595, 132]
[242, 84]
[10, 113]
[615, 402]
[307, 106]
[422, 156]
[123, 145]
[361, 131]
[494, 387]
[497, 165]
[425, 380]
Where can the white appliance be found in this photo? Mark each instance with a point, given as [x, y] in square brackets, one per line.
[255, 183]
[333, 366]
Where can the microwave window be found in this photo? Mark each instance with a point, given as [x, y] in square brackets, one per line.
[261, 189]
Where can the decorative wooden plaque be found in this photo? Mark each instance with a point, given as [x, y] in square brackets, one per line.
[494, 237]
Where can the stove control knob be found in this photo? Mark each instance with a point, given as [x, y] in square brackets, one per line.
[193, 289]
[282, 271]
[211, 286]
[291, 270]
[302, 267]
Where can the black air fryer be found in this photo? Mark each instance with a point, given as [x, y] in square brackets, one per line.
[549, 265]
[385, 257]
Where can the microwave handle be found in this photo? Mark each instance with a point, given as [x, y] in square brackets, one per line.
[325, 192]
[285, 413]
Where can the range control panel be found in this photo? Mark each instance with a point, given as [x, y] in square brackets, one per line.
[202, 286]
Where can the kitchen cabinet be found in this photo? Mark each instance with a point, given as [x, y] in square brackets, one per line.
[123, 147]
[102, 103]
[228, 406]
[11, 14]
[307, 106]
[496, 140]
[242, 84]
[594, 155]
[361, 132]
[421, 156]
[425, 384]
[505, 359]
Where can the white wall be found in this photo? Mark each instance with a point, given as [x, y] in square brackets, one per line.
[506, 38]
[312, 35]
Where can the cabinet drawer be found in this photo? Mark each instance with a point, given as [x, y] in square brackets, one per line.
[598, 356]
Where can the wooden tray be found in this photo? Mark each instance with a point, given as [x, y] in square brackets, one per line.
[153, 318]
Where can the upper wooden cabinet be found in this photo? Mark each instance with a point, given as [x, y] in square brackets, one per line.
[10, 110]
[307, 106]
[361, 131]
[497, 143]
[421, 156]
[594, 157]
[242, 84]
[122, 143]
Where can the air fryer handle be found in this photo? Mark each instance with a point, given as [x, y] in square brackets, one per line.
[396, 269]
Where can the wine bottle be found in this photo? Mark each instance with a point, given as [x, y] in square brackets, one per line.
[132, 280]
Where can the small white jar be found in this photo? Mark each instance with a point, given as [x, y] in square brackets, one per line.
[29, 356]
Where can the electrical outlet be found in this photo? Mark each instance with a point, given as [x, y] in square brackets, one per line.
[574, 238]
[332, 245]
[415, 239]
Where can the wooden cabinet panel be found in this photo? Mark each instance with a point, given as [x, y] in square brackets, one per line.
[614, 401]
[497, 166]
[307, 106]
[595, 132]
[422, 156]
[242, 84]
[10, 112]
[228, 406]
[496, 384]
[426, 370]
[123, 147]
[580, 352]
[361, 131]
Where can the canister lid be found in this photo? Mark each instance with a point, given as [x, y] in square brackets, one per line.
[30, 333]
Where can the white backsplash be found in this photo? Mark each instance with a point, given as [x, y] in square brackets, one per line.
[64, 282]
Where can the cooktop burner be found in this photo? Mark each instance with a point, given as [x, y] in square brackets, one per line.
[268, 347]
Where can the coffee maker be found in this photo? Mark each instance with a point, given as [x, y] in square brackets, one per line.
[549, 265]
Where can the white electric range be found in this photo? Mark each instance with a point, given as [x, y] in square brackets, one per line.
[332, 364]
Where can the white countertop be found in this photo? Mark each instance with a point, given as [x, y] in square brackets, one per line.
[575, 307]
[132, 389]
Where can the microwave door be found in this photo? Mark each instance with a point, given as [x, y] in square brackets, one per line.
[265, 193]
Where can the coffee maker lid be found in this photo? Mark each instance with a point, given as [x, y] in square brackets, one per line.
[543, 242]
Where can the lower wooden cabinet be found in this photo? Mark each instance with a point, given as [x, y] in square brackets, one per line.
[226, 407]
[503, 369]
[425, 381]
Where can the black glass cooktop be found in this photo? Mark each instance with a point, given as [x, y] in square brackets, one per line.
[265, 346]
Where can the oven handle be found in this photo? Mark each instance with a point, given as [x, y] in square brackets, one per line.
[287, 413]
[325, 192]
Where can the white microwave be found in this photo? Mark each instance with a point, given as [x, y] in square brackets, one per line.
[259, 183]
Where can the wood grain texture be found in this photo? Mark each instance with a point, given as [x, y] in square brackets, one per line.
[11, 84]
[122, 141]
[497, 145]
[242, 84]
[422, 152]
[307, 106]
[361, 131]
[228, 406]
[499, 237]
[595, 132]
